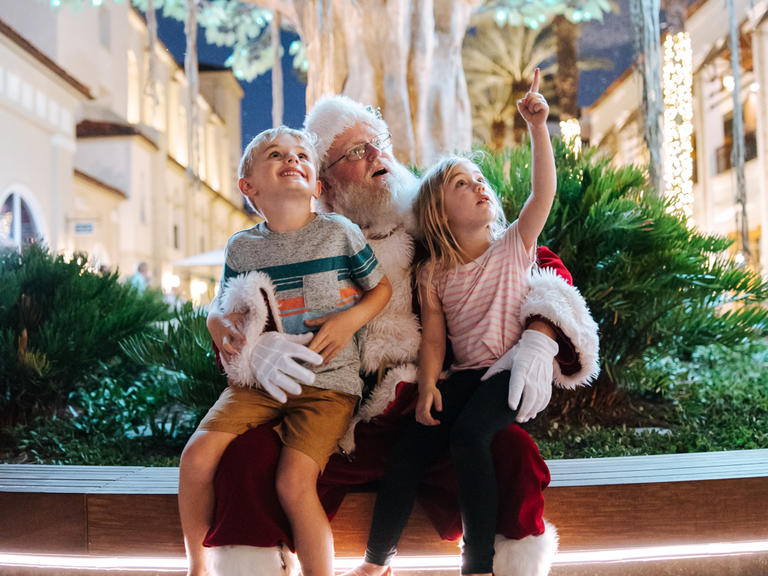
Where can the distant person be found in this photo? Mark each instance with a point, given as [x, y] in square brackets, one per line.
[326, 279]
[139, 280]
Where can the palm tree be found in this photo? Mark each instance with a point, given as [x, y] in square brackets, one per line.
[499, 62]
[567, 78]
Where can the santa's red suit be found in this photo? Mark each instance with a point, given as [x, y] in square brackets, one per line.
[250, 533]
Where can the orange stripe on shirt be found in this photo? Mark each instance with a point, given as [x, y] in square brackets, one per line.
[291, 303]
[345, 293]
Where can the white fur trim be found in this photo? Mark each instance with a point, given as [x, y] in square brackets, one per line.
[530, 556]
[393, 336]
[378, 401]
[562, 304]
[332, 115]
[245, 293]
[253, 561]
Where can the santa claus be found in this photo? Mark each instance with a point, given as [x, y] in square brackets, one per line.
[364, 182]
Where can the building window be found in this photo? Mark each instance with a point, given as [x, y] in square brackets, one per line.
[176, 236]
[17, 225]
[723, 153]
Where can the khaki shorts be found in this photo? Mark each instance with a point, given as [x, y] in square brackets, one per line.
[311, 422]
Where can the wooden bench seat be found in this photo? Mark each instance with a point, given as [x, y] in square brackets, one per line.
[595, 503]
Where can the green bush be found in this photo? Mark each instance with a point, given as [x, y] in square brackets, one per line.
[717, 400]
[60, 324]
[185, 349]
[651, 282]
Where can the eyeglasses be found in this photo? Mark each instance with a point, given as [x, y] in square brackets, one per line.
[358, 152]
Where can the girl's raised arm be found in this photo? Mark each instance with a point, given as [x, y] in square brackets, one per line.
[534, 110]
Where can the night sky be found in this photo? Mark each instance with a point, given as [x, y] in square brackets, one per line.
[257, 102]
[610, 39]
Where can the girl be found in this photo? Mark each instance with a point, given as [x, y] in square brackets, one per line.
[470, 290]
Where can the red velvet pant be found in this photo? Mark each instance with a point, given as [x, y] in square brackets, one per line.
[248, 512]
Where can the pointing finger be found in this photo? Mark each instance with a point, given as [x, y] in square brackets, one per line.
[535, 83]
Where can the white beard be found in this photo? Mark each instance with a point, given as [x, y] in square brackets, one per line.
[378, 207]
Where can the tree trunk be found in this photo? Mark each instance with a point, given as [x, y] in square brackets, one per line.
[277, 74]
[403, 56]
[567, 79]
[646, 32]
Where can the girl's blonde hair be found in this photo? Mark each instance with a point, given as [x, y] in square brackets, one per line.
[443, 250]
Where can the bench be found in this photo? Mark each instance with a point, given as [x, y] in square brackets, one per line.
[595, 504]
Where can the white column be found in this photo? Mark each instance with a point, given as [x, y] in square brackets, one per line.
[702, 194]
[760, 63]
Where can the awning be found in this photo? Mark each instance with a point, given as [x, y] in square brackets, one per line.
[212, 258]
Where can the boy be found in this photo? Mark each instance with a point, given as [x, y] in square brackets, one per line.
[326, 277]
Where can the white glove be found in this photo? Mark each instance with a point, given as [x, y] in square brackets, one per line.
[530, 362]
[273, 360]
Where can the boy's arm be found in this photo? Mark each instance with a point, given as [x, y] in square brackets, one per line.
[338, 328]
[534, 109]
[224, 330]
[431, 357]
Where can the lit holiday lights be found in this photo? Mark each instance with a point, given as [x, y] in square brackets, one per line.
[678, 124]
[571, 132]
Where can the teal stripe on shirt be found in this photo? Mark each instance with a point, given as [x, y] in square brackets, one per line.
[289, 276]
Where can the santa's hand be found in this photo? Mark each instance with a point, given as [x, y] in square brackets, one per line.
[531, 363]
[275, 358]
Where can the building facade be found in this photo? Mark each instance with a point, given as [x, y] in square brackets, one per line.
[615, 121]
[94, 156]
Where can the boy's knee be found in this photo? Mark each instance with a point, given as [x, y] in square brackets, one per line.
[293, 484]
[200, 457]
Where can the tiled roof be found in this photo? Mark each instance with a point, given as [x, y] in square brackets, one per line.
[99, 129]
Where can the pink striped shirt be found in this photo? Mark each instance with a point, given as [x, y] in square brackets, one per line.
[481, 301]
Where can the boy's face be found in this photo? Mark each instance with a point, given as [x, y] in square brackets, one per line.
[281, 170]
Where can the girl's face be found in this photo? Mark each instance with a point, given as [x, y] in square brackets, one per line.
[469, 202]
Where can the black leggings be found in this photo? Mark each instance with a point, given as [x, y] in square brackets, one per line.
[473, 412]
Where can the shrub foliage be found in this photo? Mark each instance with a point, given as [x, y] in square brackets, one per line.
[59, 322]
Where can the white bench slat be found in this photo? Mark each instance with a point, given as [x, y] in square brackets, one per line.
[574, 472]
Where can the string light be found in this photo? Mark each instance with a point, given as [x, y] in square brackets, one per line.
[571, 131]
[678, 123]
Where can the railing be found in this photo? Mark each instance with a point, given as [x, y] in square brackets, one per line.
[723, 154]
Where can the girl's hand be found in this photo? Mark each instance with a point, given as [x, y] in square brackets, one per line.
[533, 106]
[427, 399]
[225, 333]
[335, 332]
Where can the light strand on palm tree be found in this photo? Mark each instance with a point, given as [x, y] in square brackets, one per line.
[678, 124]
[570, 130]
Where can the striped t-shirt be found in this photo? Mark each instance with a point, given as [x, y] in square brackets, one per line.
[323, 267]
[481, 301]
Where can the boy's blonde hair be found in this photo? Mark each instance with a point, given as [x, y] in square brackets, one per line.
[267, 137]
[444, 251]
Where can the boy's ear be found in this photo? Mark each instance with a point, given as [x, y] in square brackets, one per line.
[318, 190]
[246, 188]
